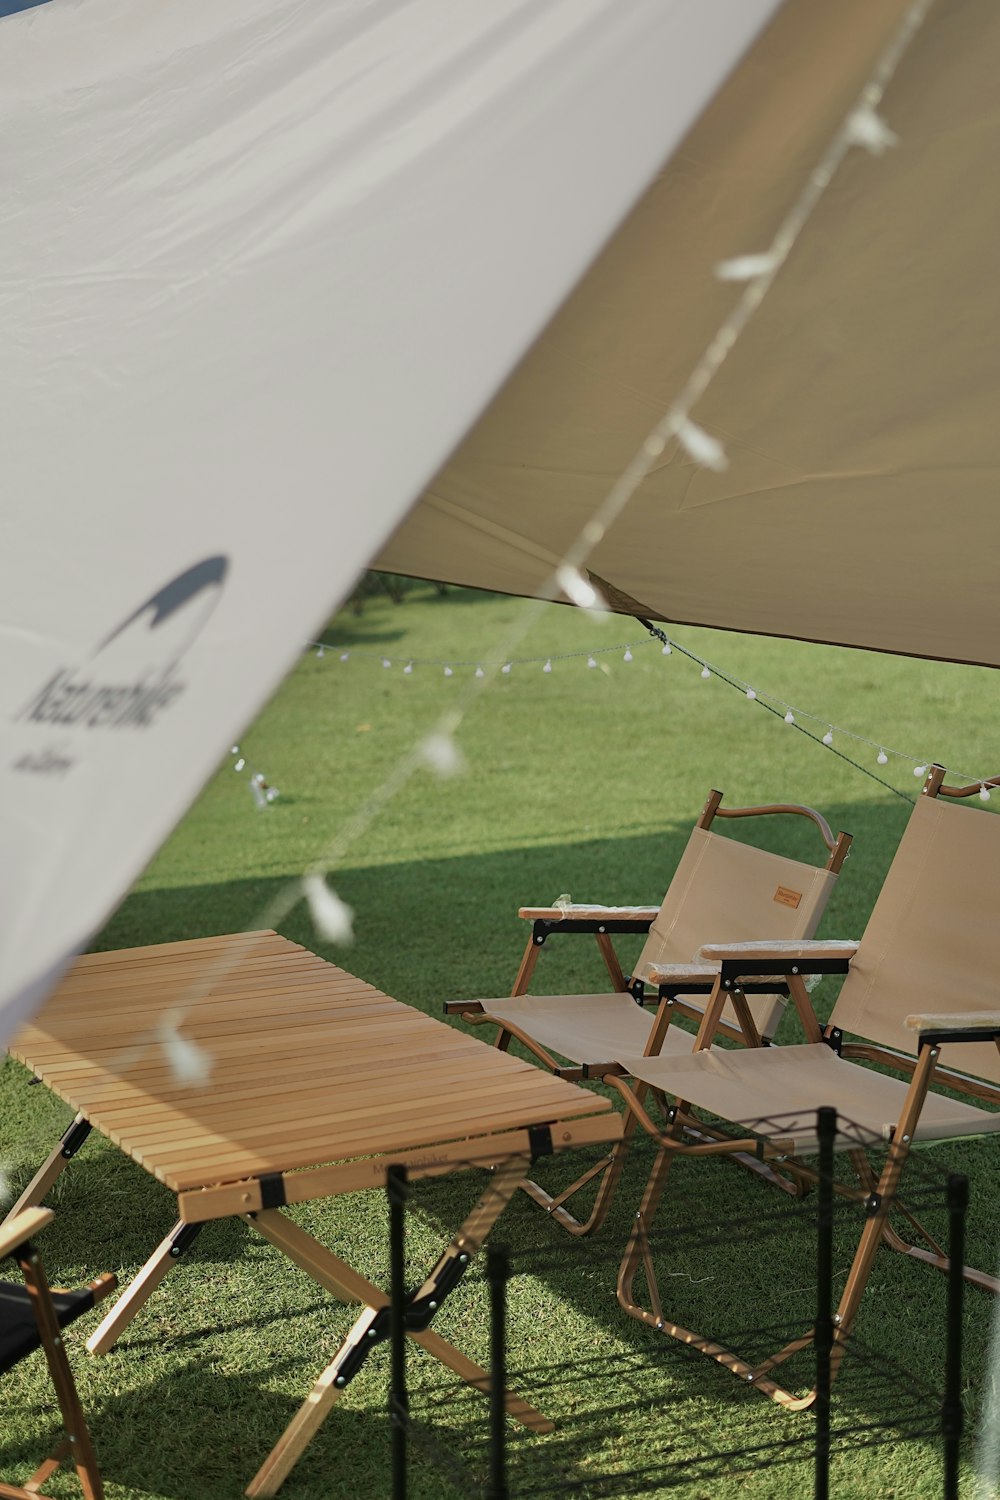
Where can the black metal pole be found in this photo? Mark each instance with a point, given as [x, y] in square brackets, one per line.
[497, 1274]
[826, 1126]
[952, 1415]
[399, 1406]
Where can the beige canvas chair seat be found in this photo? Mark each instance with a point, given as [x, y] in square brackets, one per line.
[587, 1029]
[583, 1028]
[732, 1085]
[720, 888]
[920, 996]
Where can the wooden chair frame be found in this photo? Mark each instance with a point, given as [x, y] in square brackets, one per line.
[672, 985]
[878, 1191]
[16, 1236]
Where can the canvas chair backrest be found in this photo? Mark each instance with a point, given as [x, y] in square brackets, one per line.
[727, 892]
[931, 941]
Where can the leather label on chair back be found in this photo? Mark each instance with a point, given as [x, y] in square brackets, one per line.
[729, 889]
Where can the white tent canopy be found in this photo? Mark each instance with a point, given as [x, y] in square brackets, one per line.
[264, 264]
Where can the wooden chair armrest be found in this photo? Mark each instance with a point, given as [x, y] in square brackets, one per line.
[779, 953]
[672, 974]
[984, 1023]
[24, 1226]
[582, 912]
[463, 1007]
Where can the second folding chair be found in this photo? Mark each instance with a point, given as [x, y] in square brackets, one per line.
[722, 891]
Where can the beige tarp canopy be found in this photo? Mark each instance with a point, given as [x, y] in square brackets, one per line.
[859, 409]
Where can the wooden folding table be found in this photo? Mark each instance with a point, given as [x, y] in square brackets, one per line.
[318, 1082]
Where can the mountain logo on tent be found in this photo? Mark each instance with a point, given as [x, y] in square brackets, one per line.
[133, 675]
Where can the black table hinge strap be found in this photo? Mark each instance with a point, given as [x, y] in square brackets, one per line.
[74, 1137]
[272, 1190]
[422, 1304]
[183, 1238]
[540, 1141]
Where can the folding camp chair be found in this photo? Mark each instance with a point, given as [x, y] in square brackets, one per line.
[929, 948]
[31, 1316]
[721, 888]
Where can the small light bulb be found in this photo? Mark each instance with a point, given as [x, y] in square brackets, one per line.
[882, 758]
[705, 672]
[271, 793]
[320, 651]
[984, 794]
[239, 764]
[479, 672]
[505, 669]
[344, 655]
[751, 694]
[235, 750]
[386, 662]
[591, 662]
[547, 667]
[828, 737]
[667, 649]
[789, 717]
[448, 672]
[920, 770]
[628, 655]
[407, 670]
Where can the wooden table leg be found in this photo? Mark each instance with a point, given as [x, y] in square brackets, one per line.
[348, 1285]
[139, 1290]
[54, 1165]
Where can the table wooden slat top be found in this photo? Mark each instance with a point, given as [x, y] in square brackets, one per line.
[309, 1065]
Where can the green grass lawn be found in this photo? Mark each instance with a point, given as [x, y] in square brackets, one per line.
[582, 781]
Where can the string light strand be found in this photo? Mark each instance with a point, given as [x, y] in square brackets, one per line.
[790, 713]
[754, 696]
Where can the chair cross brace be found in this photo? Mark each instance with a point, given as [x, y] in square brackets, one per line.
[958, 1034]
[736, 969]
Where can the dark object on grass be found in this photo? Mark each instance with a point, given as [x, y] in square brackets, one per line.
[32, 1316]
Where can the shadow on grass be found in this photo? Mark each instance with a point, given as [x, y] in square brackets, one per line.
[229, 1424]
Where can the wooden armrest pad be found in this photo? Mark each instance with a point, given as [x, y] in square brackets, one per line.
[586, 913]
[791, 951]
[987, 1021]
[677, 973]
[27, 1224]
